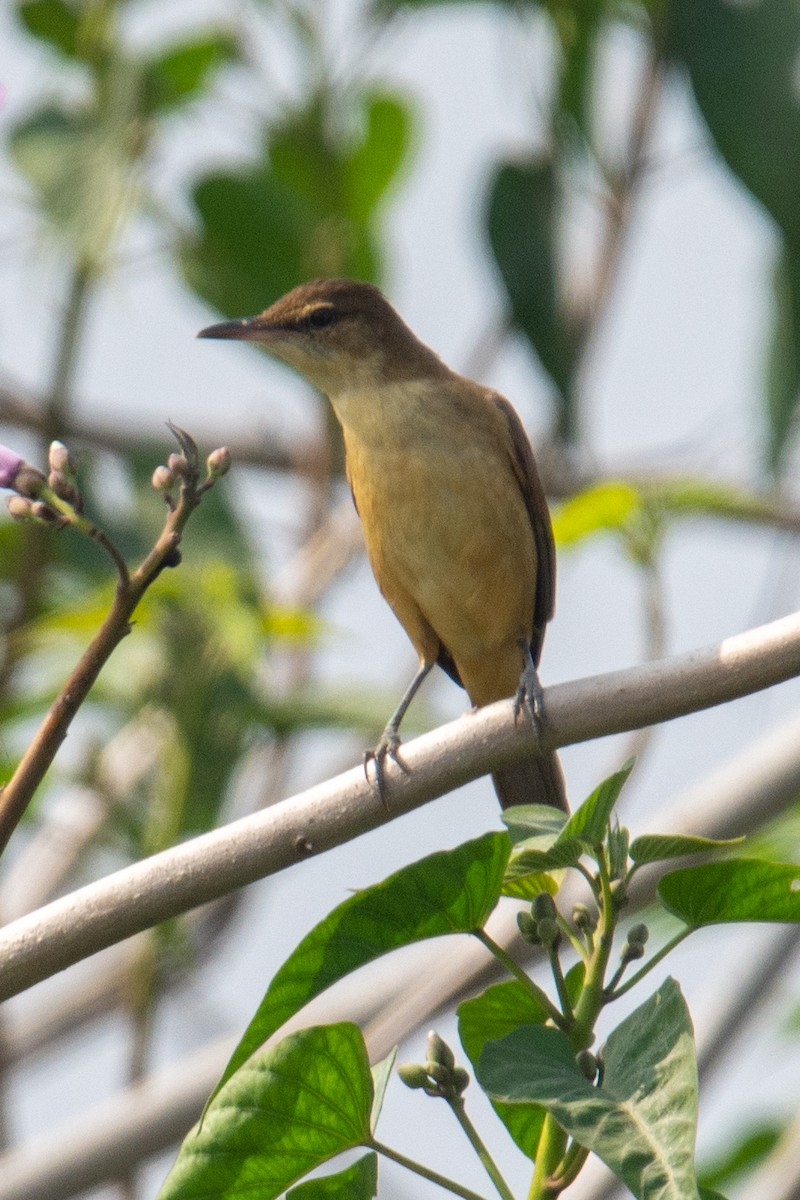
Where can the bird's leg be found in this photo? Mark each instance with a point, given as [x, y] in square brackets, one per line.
[529, 689]
[389, 741]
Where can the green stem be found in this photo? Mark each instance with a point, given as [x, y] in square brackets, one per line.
[418, 1169]
[516, 970]
[549, 1153]
[459, 1109]
[561, 986]
[580, 947]
[592, 997]
[648, 966]
[571, 1167]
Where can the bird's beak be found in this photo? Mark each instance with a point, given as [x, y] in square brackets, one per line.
[246, 329]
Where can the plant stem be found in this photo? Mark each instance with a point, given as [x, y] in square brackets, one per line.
[549, 1153]
[418, 1169]
[561, 986]
[516, 970]
[58, 396]
[17, 793]
[460, 1112]
[652, 962]
[592, 997]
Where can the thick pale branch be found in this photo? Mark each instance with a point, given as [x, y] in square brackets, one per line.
[78, 925]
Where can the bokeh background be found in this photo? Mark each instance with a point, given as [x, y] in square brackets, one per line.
[592, 206]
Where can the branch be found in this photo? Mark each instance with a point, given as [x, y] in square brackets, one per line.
[34, 764]
[167, 884]
[561, 478]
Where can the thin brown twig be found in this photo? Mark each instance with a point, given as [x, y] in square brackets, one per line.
[18, 792]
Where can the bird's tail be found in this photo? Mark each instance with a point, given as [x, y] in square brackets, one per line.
[534, 780]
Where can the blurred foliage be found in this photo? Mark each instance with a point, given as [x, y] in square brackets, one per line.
[742, 1156]
[742, 63]
[523, 225]
[307, 208]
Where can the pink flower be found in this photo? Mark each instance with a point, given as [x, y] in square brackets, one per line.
[10, 463]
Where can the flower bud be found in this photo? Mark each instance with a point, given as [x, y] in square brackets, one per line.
[638, 935]
[10, 463]
[631, 951]
[439, 1052]
[413, 1075]
[47, 515]
[163, 479]
[20, 508]
[527, 927]
[438, 1073]
[549, 933]
[179, 464]
[587, 1064]
[28, 481]
[461, 1080]
[543, 905]
[583, 917]
[218, 462]
[58, 458]
[64, 488]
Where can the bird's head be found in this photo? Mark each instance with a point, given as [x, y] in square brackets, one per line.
[342, 335]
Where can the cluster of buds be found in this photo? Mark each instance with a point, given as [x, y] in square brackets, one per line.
[539, 924]
[634, 944]
[47, 500]
[179, 469]
[438, 1075]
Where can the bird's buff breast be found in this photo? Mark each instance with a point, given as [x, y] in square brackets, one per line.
[445, 526]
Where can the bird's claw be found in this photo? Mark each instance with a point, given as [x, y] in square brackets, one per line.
[387, 747]
[529, 696]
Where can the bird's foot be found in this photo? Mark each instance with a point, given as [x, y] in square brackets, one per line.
[387, 747]
[529, 695]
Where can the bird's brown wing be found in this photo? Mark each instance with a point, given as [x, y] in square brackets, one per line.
[527, 475]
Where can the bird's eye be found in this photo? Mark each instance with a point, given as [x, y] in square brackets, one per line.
[320, 318]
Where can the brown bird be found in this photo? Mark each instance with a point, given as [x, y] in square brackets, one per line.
[443, 476]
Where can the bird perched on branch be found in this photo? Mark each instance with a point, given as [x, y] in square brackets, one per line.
[443, 476]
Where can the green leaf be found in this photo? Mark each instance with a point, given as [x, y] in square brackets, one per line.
[522, 221]
[452, 891]
[489, 1017]
[783, 357]
[577, 24]
[290, 1109]
[183, 72]
[739, 889]
[52, 21]
[381, 1074]
[376, 160]
[642, 1121]
[358, 1182]
[709, 1194]
[606, 506]
[656, 847]
[742, 63]
[589, 823]
[747, 1151]
[533, 822]
[528, 885]
[253, 230]
[553, 844]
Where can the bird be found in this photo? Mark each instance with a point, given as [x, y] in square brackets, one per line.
[456, 524]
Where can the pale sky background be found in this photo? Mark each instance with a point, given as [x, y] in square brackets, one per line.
[674, 377]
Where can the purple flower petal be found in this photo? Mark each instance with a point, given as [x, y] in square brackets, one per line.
[10, 463]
